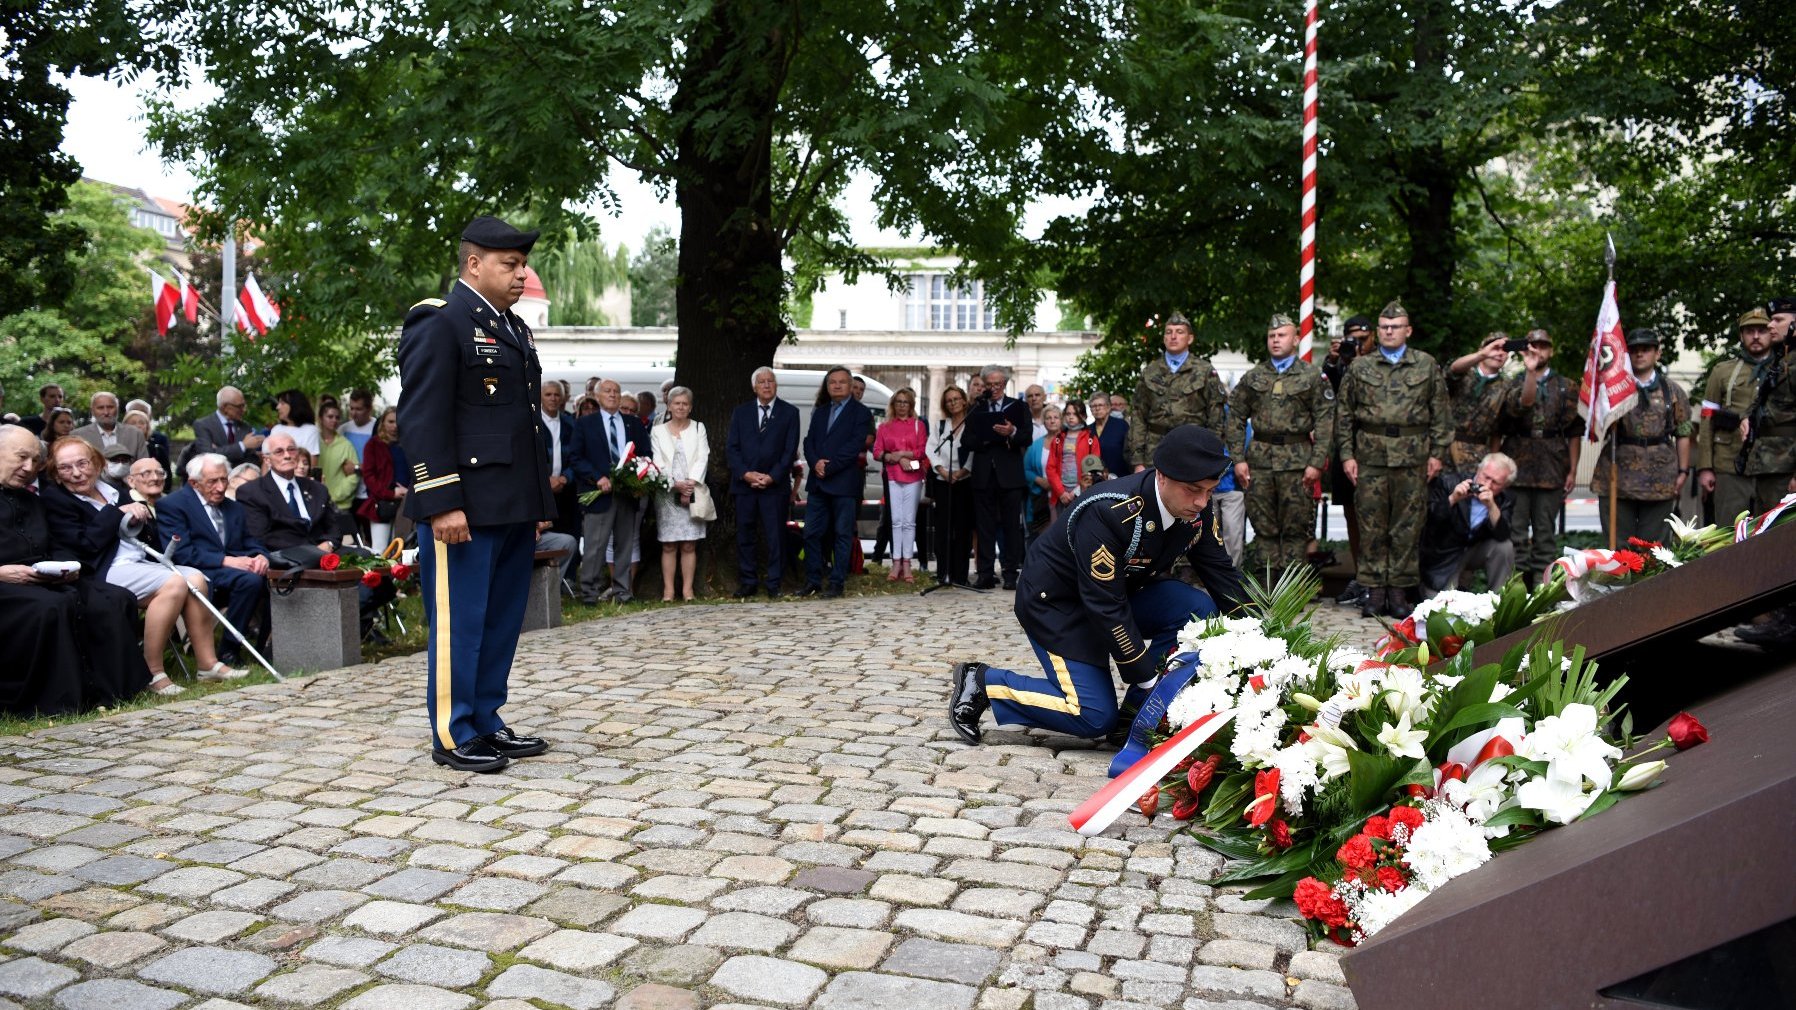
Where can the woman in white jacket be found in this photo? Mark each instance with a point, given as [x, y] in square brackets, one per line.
[682, 452]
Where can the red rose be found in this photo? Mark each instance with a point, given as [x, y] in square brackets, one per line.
[1451, 644]
[371, 578]
[1149, 803]
[1391, 879]
[1357, 853]
[1279, 834]
[1377, 827]
[1316, 900]
[1686, 732]
[330, 562]
[1265, 798]
[1409, 817]
[1186, 808]
[1198, 778]
[401, 572]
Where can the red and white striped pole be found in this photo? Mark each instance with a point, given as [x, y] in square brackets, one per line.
[1306, 275]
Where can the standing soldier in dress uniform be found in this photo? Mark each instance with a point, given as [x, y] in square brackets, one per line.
[1176, 388]
[1292, 408]
[1541, 432]
[1649, 447]
[1095, 589]
[1393, 426]
[1726, 400]
[1474, 388]
[470, 383]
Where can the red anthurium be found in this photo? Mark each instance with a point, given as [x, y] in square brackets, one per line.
[1149, 803]
[1265, 797]
[1198, 778]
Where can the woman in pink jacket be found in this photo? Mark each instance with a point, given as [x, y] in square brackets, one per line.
[901, 444]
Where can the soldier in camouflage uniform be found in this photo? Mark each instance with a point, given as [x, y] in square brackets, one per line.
[1392, 428]
[1177, 387]
[1772, 460]
[1650, 450]
[1474, 388]
[1291, 406]
[1541, 432]
[1726, 400]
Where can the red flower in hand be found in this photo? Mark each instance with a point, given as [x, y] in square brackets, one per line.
[1686, 732]
[1316, 900]
[1357, 853]
[330, 562]
[371, 578]
[1265, 798]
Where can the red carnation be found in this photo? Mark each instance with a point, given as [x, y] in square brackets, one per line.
[1316, 900]
[371, 578]
[1377, 827]
[1279, 834]
[1686, 732]
[1391, 879]
[330, 562]
[1265, 797]
[1200, 774]
[1409, 817]
[1149, 803]
[1357, 853]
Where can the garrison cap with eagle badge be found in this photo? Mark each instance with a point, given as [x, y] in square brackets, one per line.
[1191, 453]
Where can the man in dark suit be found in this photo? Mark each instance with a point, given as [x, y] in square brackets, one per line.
[213, 536]
[558, 446]
[601, 439]
[998, 430]
[762, 444]
[469, 379]
[832, 449]
[1468, 526]
[1097, 588]
[225, 432]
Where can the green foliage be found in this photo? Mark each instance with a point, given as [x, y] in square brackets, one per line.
[1114, 365]
[653, 273]
[79, 339]
[577, 273]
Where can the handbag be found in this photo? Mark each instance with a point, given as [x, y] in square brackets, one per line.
[703, 507]
[385, 509]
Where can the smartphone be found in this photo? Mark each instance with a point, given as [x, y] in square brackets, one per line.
[1515, 346]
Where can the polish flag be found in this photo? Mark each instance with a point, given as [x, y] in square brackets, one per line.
[166, 297]
[1108, 803]
[1607, 390]
[190, 298]
[255, 309]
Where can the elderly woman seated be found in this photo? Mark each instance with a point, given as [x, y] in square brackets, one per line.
[110, 538]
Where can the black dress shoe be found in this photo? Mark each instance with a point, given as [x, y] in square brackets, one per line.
[774, 594]
[832, 593]
[514, 746]
[967, 702]
[744, 592]
[985, 582]
[1009, 582]
[810, 591]
[477, 755]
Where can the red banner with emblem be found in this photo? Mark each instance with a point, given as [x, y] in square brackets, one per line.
[1608, 389]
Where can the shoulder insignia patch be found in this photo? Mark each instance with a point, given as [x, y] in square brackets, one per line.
[1103, 564]
[1328, 391]
[435, 303]
[1128, 508]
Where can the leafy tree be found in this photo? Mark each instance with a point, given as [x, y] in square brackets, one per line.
[79, 340]
[577, 273]
[654, 272]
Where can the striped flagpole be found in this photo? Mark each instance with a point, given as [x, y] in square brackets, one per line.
[1307, 272]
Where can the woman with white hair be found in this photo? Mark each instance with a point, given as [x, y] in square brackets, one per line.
[682, 452]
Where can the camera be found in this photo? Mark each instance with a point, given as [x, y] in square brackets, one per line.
[1475, 490]
[1515, 345]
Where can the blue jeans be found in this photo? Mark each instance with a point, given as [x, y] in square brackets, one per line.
[834, 515]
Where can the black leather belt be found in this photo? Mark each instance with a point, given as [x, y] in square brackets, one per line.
[1644, 443]
[1282, 439]
[1396, 430]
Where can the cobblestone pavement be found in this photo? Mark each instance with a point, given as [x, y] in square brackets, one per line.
[744, 805]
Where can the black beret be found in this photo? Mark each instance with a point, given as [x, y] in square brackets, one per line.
[1357, 323]
[492, 233]
[1191, 453]
[1777, 305]
[1645, 336]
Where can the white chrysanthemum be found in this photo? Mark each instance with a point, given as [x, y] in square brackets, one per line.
[1378, 908]
[1346, 660]
[1446, 845]
[1198, 699]
[1289, 670]
[1500, 690]
[1472, 608]
[1564, 662]
[1297, 776]
[1257, 736]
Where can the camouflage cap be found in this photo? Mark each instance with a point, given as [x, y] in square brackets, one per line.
[1280, 321]
[1178, 319]
[1754, 317]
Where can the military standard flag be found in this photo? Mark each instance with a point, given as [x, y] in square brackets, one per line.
[1607, 391]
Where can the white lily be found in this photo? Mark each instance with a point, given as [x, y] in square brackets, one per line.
[1639, 776]
[1481, 793]
[1569, 744]
[1400, 740]
[1405, 690]
[1331, 745]
[1558, 801]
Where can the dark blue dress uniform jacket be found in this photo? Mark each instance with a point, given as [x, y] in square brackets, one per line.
[1073, 598]
[473, 431]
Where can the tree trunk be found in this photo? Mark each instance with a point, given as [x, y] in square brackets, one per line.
[730, 293]
[1431, 186]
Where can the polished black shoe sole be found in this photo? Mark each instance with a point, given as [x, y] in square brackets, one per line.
[483, 766]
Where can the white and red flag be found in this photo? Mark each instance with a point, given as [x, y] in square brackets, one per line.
[254, 309]
[1608, 389]
[166, 297]
[190, 298]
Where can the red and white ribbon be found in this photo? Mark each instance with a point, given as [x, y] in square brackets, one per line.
[1306, 272]
[1747, 526]
[1108, 803]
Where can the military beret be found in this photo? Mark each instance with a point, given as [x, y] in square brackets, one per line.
[492, 233]
[1777, 305]
[1643, 336]
[1754, 317]
[1357, 323]
[1191, 453]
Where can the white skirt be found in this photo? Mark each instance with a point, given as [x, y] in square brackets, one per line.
[143, 578]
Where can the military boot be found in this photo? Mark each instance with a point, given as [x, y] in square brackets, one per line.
[1396, 603]
[1372, 604]
[1353, 595]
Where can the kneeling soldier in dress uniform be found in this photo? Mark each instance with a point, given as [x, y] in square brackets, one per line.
[470, 383]
[1095, 588]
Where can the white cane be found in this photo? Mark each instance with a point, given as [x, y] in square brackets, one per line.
[198, 595]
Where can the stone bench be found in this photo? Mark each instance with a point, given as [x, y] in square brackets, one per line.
[317, 625]
[544, 607]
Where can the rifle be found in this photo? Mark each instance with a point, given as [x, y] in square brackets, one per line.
[1755, 415]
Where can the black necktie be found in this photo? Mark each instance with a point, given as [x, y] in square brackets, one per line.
[617, 440]
[293, 501]
[230, 431]
[764, 410]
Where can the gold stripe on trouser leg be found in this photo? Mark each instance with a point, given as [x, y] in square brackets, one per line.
[1035, 699]
[442, 632]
